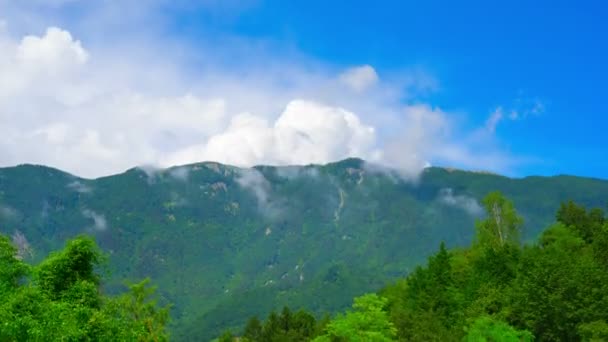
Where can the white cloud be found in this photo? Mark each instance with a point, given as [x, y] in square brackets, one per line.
[99, 220]
[125, 98]
[180, 173]
[422, 130]
[494, 119]
[54, 51]
[521, 109]
[255, 182]
[360, 78]
[80, 187]
[525, 107]
[306, 132]
[466, 203]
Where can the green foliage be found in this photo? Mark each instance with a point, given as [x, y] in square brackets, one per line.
[71, 267]
[225, 337]
[11, 268]
[586, 224]
[553, 290]
[62, 300]
[502, 225]
[138, 314]
[286, 326]
[594, 331]
[253, 330]
[487, 329]
[559, 286]
[366, 322]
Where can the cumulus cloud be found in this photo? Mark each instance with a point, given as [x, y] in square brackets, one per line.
[95, 104]
[99, 220]
[360, 78]
[306, 132]
[466, 203]
[53, 52]
[423, 129]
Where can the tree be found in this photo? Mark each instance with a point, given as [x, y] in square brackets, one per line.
[288, 326]
[587, 224]
[559, 286]
[488, 329]
[227, 337]
[596, 331]
[253, 330]
[60, 300]
[75, 263]
[366, 322]
[304, 325]
[140, 313]
[11, 268]
[285, 319]
[431, 289]
[272, 327]
[600, 245]
[502, 225]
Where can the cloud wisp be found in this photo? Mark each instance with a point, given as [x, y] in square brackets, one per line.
[466, 203]
[521, 109]
[254, 181]
[8, 213]
[99, 221]
[80, 187]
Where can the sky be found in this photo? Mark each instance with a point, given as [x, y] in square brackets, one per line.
[514, 87]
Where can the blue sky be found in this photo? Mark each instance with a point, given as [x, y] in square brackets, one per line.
[519, 86]
[486, 54]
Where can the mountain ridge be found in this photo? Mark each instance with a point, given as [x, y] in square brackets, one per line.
[376, 167]
[224, 243]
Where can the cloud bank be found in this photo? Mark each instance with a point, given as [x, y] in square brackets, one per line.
[97, 108]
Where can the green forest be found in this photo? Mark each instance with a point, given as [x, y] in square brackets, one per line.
[497, 289]
[223, 243]
[555, 289]
[60, 299]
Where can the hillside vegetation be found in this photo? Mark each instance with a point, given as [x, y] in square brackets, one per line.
[60, 299]
[225, 243]
[495, 290]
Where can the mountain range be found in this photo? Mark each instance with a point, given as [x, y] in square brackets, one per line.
[224, 243]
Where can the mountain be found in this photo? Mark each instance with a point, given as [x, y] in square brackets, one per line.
[224, 243]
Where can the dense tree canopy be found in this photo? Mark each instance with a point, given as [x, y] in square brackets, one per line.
[555, 289]
[60, 299]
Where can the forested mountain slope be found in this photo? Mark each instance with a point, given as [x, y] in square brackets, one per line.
[224, 243]
[497, 289]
